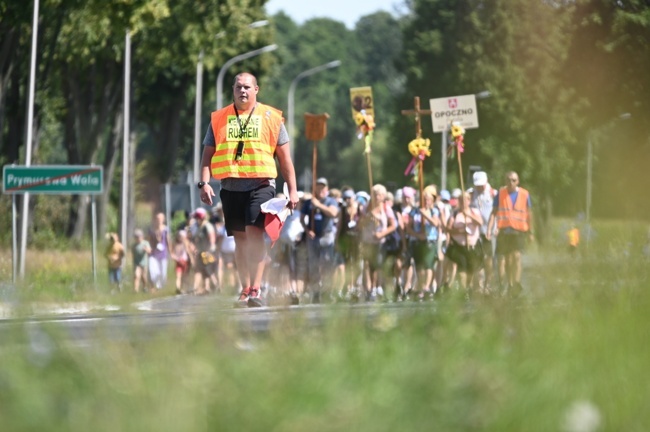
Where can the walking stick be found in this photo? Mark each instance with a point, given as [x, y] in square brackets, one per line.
[458, 139]
[421, 182]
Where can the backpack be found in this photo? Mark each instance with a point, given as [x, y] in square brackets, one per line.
[393, 240]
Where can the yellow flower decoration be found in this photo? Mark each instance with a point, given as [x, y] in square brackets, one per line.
[457, 130]
[457, 133]
[365, 125]
[419, 149]
[420, 146]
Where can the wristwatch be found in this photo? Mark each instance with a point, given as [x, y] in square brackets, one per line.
[200, 184]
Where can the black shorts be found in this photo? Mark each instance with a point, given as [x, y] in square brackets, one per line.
[508, 243]
[467, 259]
[425, 254]
[242, 209]
[486, 245]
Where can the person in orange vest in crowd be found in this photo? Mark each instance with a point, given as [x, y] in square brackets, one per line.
[513, 216]
[573, 236]
[240, 147]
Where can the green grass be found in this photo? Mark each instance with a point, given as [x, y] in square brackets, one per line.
[580, 338]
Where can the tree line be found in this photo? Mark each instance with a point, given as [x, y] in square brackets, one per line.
[559, 72]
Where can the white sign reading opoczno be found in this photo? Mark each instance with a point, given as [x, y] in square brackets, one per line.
[454, 108]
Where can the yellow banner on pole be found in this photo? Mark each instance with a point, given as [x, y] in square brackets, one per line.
[361, 100]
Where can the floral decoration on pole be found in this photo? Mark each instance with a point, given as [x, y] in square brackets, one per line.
[419, 149]
[457, 134]
[365, 126]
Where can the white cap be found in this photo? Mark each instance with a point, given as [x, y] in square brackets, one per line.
[480, 178]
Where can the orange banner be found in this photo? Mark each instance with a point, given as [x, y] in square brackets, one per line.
[316, 126]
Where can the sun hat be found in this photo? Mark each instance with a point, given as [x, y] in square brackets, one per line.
[408, 192]
[480, 178]
[200, 213]
[363, 197]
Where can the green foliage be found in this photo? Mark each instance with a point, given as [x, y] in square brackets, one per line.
[5, 220]
[557, 72]
[501, 365]
[367, 56]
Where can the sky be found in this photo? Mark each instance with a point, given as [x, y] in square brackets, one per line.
[345, 11]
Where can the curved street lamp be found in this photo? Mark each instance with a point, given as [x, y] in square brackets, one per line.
[241, 57]
[292, 90]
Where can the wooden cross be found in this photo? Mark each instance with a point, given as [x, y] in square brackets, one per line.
[417, 112]
[418, 134]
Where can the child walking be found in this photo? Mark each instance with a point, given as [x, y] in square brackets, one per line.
[181, 255]
[141, 252]
[115, 257]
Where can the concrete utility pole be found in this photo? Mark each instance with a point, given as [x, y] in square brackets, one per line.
[125, 138]
[30, 137]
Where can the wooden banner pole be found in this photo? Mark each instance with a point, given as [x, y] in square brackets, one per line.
[421, 182]
[314, 178]
[462, 194]
[370, 184]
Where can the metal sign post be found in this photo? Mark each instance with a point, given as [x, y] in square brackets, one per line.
[461, 109]
[53, 180]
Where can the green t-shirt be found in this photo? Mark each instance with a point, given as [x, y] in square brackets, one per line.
[140, 255]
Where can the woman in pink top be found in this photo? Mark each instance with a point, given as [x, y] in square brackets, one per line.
[464, 228]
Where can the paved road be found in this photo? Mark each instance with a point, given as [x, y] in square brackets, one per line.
[81, 323]
[155, 317]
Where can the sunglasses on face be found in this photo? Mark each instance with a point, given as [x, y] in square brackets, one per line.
[511, 180]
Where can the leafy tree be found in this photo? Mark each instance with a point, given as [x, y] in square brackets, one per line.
[608, 63]
[14, 65]
[81, 63]
[168, 50]
[366, 55]
[516, 49]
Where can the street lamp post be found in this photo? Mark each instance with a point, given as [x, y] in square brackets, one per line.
[28, 146]
[197, 126]
[126, 145]
[241, 57]
[292, 90]
[590, 153]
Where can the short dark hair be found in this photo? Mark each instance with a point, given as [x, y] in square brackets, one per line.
[234, 81]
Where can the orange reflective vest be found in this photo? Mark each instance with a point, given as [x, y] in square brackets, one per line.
[260, 138]
[574, 237]
[509, 216]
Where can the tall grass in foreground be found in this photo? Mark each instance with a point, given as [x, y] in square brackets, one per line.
[573, 355]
